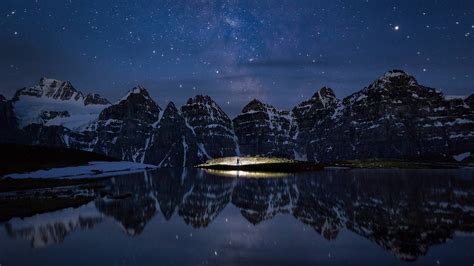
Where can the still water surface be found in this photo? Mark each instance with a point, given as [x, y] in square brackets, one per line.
[190, 217]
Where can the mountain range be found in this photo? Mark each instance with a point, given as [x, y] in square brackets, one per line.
[394, 117]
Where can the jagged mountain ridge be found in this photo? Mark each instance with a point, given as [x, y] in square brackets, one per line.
[394, 117]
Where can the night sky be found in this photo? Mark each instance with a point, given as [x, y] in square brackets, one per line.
[278, 51]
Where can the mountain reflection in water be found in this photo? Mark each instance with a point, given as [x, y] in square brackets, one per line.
[405, 212]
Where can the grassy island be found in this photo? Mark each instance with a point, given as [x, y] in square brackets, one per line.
[259, 164]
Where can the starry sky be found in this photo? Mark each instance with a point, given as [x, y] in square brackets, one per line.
[278, 51]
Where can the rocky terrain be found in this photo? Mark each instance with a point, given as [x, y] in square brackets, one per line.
[9, 132]
[393, 118]
[211, 126]
[264, 130]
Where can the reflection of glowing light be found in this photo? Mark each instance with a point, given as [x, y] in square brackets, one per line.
[246, 174]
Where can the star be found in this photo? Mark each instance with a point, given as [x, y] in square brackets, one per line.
[247, 44]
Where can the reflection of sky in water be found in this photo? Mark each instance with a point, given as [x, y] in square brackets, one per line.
[281, 238]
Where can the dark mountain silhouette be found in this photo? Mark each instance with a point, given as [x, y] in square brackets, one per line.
[394, 117]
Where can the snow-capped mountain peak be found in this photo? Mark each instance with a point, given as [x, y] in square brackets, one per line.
[51, 88]
[137, 91]
[256, 105]
[55, 102]
[205, 105]
[324, 92]
[395, 79]
[325, 96]
[170, 110]
[94, 98]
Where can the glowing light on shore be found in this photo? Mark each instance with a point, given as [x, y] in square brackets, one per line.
[234, 161]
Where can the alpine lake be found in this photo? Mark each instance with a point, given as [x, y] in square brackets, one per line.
[191, 216]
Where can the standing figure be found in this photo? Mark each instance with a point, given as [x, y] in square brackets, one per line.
[238, 161]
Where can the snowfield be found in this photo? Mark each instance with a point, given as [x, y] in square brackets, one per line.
[29, 109]
[91, 170]
[461, 156]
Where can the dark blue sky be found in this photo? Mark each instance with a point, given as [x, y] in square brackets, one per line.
[278, 51]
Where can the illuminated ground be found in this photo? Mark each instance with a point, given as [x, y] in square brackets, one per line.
[258, 164]
[246, 161]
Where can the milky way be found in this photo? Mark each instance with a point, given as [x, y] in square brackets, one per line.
[277, 51]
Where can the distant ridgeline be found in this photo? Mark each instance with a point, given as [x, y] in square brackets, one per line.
[394, 117]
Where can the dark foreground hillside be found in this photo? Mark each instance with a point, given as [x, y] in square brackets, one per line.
[15, 158]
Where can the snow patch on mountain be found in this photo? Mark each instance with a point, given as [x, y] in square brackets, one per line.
[29, 110]
[455, 97]
[461, 156]
[91, 170]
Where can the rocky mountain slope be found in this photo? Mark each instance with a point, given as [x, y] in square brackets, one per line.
[211, 126]
[394, 117]
[264, 130]
[9, 132]
[124, 129]
[172, 143]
